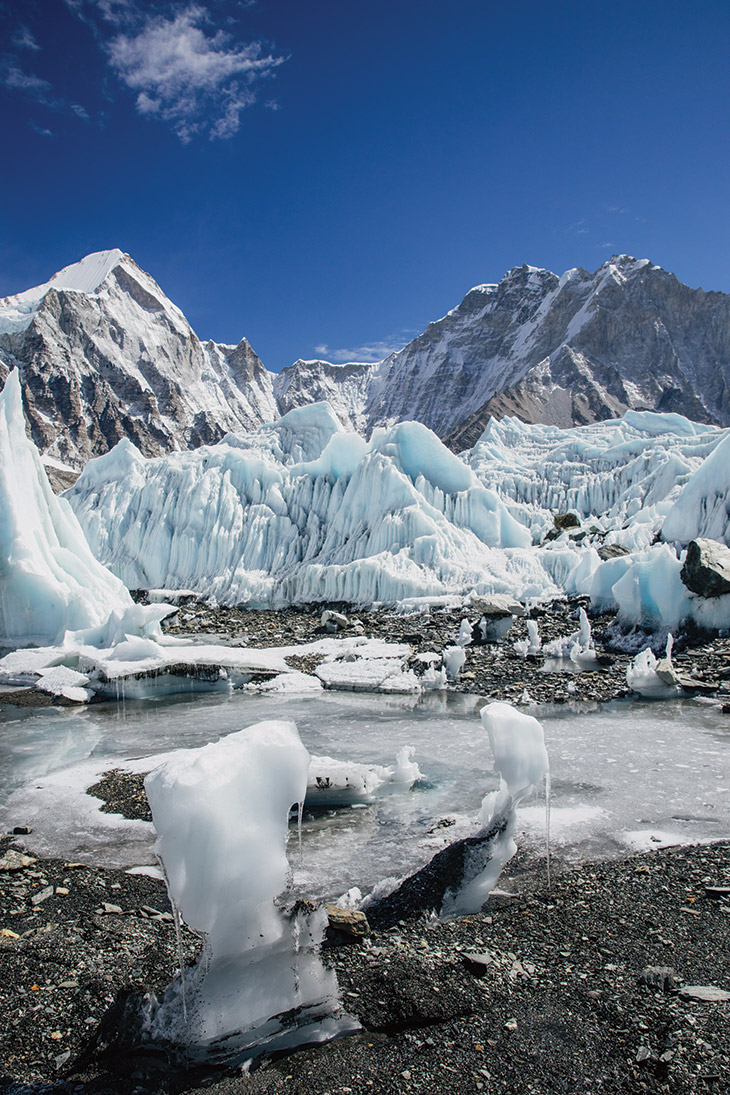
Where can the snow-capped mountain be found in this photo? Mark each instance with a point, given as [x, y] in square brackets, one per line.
[103, 354]
[576, 349]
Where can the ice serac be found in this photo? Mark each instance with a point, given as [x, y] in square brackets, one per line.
[399, 516]
[221, 814]
[104, 355]
[49, 580]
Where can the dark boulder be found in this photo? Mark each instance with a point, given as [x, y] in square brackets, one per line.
[706, 569]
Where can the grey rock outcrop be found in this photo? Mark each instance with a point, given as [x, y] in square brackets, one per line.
[112, 358]
[706, 569]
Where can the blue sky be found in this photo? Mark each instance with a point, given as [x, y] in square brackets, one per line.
[327, 177]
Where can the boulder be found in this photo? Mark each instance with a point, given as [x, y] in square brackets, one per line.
[348, 923]
[563, 521]
[498, 605]
[706, 569]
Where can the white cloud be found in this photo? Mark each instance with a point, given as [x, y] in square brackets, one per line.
[369, 353]
[40, 130]
[196, 81]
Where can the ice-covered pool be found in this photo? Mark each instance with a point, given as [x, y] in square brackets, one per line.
[629, 775]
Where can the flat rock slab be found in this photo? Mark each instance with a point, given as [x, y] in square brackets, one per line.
[15, 861]
[708, 994]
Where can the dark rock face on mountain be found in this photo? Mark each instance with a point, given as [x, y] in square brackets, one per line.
[565, 351]
[104, 354]
[102, 361]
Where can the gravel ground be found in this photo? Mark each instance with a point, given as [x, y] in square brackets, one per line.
[551, 999]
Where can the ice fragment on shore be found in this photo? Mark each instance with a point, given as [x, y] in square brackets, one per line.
[651, 678]
[221, 816]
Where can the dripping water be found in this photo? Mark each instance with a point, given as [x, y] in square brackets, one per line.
[547, 820]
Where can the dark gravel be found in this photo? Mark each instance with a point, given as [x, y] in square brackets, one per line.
[550, 1001]
[554, 1003]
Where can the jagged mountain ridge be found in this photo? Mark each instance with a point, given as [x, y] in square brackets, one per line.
[563, 351]
[104, 354]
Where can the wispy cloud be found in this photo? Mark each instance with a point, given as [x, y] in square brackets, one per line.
[196, 81]
[369, 353]
[24, 39]
[40, 130]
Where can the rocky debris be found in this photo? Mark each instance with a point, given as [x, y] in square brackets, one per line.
[611, 551]
[706, 569]
[564, 521]
[494, 670]
[557, 998]
[122, 793]
[346, 924]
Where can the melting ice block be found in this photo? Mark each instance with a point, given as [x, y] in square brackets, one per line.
[221, 816]
[521, 759]
[459, 878]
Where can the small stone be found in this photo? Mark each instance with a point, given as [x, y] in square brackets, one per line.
[511, 1025]
[15, 861]
[643, 1053]
[477, 963]
[22, 830]
[717, 892]
[110, 910]
[42, 895]
[660, 978]
[5, 933]
[62, 890]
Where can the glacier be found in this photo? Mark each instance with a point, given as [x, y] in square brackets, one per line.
[304, 510]
[49, 580]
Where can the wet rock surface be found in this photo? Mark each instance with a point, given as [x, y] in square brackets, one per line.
[559, 1001]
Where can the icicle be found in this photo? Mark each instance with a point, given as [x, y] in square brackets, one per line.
[547, 821]
[300, 816]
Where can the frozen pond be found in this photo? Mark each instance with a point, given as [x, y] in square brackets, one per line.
[630, 775]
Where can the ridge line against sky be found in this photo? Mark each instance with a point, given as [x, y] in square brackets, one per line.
[326, 179]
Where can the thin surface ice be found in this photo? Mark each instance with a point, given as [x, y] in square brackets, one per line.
[660, 767]
[221, 814]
